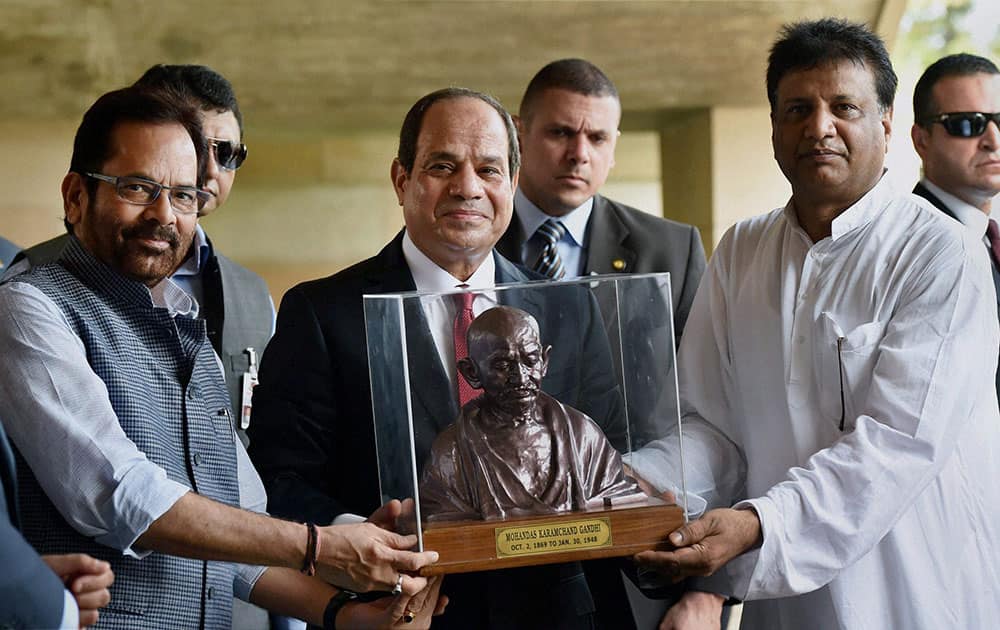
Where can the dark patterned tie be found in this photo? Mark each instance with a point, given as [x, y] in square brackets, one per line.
[549, 263]
[463, 317]
[993, 234]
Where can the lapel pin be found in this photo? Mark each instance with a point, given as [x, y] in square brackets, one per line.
[618, 264]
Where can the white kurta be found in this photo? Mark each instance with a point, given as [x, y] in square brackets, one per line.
[893, 522]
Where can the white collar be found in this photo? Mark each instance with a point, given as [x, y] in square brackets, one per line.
[429, 276]
[860, 213]
[969, 215]
[532, 217]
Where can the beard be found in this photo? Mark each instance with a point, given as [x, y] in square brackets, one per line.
[143, 262]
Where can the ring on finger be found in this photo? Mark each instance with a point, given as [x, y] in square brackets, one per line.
[408, 615]
[398, 588]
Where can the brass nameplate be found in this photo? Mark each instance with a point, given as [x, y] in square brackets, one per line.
[554, 536]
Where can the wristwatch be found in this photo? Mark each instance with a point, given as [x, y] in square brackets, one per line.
[333, 607]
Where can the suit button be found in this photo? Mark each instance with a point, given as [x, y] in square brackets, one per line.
[211, 592]
[197, 459]
[618, 264]
[192, 392]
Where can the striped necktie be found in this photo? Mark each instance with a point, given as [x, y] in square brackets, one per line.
[549, 263]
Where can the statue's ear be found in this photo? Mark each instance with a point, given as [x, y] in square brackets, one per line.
[468, 369]
[545, 360]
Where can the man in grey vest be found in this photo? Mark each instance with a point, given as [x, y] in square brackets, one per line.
[118, 409]
[232, 300]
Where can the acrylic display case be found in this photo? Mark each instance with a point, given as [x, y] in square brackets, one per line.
[488, 488]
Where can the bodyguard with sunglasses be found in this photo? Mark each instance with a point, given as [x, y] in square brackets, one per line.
[233, 300]
[956, 106]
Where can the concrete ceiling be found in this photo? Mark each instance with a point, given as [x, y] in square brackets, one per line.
[328, 67]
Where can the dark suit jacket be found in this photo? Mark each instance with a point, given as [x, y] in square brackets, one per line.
[31, 596]
[643, 242]
[922, 191]
[312, 434]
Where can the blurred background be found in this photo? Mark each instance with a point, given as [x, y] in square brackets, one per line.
[324, 87]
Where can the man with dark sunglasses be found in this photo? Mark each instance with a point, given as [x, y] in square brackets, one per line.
[234, 301]
[956, 106]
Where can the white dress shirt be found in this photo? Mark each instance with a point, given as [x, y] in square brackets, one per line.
[571, 247]
[441, 310]
[971, 217]
[894, 521]
[66, 428]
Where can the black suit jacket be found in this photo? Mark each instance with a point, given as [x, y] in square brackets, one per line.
[312, 434]
[922, 191]
[31, 596]
[642, 242]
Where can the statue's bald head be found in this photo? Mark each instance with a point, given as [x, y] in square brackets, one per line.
[506, 360]
[500, 323]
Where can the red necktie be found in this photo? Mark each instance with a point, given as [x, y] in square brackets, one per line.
[463, 317]
[993, 234]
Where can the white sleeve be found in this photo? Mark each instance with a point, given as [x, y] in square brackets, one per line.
[927, 388]
[713, 465]
[71, 613]
[58, 414]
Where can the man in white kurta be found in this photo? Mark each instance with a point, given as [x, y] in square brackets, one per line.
[837, 368]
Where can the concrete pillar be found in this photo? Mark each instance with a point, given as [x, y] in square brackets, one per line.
[717, 168]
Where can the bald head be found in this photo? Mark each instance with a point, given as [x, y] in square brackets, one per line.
[500, 323]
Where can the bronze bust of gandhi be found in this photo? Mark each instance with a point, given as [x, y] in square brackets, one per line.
[514, 450]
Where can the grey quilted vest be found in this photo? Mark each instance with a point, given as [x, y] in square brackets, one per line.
[170, 398]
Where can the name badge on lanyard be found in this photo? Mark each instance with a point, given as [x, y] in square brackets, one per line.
[249, 381]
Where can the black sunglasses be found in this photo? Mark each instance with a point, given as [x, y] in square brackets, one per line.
[965, 124]
[229, 155]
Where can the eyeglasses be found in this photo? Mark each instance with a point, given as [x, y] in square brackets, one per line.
[229, 155]
[145, 192]
[965, 124]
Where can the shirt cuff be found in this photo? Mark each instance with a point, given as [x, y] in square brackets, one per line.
[245, 579]
[132, 512]
[348, 519]
[71, 612]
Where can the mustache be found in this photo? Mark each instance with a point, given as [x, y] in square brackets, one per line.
[156, 232]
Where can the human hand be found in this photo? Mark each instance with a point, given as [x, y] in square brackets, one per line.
[706, 544]
[364, 557]
[388, 516]
[87, 579]
[647, 487]
[393, 612]
[696, 610]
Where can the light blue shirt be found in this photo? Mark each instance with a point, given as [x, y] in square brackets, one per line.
[572, 247]
[188, 275]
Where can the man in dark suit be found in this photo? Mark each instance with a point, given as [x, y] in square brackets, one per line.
[312, 435]
[568, 128]
[957, 135]
[32, 594]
